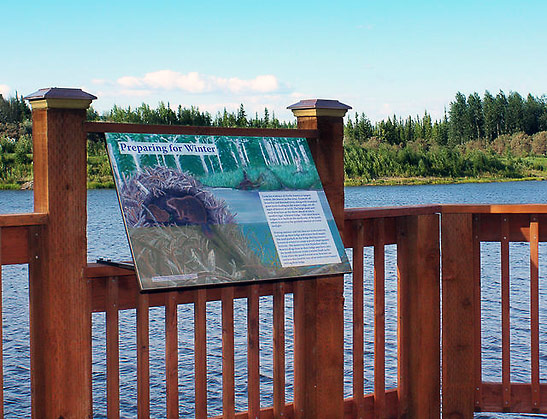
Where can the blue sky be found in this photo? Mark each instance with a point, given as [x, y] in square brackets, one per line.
[380, 57]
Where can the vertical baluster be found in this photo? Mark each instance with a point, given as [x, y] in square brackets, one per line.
[379, 319]
[171, 356]
[200, 351]
[505, 319]
[358, 321]
[403, 320]
[305, 345]
[112, 349]
[279, 349]
[228, 395]
[534, 310]
[477, 356]
[143, 362]
[253, 352]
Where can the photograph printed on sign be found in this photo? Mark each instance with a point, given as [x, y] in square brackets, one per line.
[203, 210]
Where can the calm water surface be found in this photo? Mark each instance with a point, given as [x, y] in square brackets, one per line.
[106, 238]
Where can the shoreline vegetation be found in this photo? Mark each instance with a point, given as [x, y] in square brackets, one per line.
[480, 139]
[394, 181]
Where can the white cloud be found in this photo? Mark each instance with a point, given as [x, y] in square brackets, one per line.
[260, 84]
[211, 93]
[134, 92]
[4, 89]
[129, 81]
[193, 82]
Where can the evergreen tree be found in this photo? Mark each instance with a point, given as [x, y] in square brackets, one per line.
[363, 128]
[476, 117]
[349, 132]
[439, 131]
[459, 120]
[14, 110]
[532, 112]
[489, 113]
[241, 119]
[515, 113]
[387, 131]
[500, 113]
[427, 127]
[410, 131]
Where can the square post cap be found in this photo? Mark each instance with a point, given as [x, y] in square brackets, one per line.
[319, 107]
[60, 98]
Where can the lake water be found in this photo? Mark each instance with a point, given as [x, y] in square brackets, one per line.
[106, 238]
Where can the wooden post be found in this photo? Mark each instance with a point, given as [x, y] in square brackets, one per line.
[458, 316]
[319, 302]
[60, 317]
[418, 264]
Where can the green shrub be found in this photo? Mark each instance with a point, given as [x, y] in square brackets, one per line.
[23, 150]
[7, 145]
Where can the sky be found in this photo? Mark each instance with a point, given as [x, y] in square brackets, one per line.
[379, 57]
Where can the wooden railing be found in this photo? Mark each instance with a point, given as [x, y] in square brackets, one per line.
[415, 232]
[464, 230]
[116, 289]
[16, 236]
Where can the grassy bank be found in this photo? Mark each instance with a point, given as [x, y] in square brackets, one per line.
[393, 181]
[16, 171]
[16, 174]
[396, 165]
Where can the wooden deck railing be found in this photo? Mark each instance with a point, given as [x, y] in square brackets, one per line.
[465, 228]
[116, 289]
[415, 231]
[16, 235]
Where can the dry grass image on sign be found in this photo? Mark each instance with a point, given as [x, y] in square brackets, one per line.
[179, 228]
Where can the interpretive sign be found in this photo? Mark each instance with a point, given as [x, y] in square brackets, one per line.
[203, 210]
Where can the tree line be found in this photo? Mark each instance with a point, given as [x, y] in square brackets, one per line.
[13, 110]
[489, 136]
[165, 115]
[470, 118]
[477, 136]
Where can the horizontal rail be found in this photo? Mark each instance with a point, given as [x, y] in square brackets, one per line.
[384, 212]
[490, 216]
[15, 245]
[495, 209]
[15, 236]
[129, 289]
[102, 127]
[18, 220]
[521, 398]
[518, 228]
